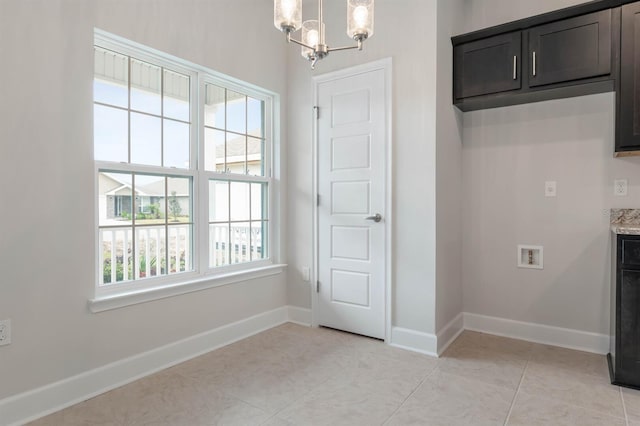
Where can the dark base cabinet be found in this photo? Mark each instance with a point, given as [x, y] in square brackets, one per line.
[624, 359]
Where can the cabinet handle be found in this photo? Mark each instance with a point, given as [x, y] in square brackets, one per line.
[515, 67]
[534, 63]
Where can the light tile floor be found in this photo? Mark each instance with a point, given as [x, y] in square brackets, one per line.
[294, 375]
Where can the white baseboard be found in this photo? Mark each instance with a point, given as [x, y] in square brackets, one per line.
[538, 333]
[425, 343]
[28, 406]
[435, 345]
[31, 405]
[300, 316]
[449, 333]
[414, 340]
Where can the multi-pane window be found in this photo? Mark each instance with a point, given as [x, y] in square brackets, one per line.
[235, 149]
[182, 165]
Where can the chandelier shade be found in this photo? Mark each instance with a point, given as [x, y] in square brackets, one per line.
[287, 15]
[360, 19]
[310, 37]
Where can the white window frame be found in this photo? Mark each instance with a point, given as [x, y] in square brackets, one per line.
[111, 296]
[231, 177]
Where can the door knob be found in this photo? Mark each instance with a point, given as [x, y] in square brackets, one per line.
[377, 218]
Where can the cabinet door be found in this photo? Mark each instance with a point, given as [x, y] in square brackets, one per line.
[628, 336]
[629, 94]
[491, 65]
[570, 49]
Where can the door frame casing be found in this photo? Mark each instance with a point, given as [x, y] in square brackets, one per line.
[386, 66]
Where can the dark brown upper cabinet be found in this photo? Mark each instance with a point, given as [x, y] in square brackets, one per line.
[488, 66]
[628, 111]
[562, 58]
[570, 49]
[585, 49]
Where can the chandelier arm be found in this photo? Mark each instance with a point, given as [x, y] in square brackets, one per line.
[293, 40]
[357, 46]
[334, 49]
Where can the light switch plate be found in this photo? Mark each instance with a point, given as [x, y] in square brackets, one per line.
[550, 188]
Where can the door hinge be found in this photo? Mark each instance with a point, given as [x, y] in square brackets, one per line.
[317, 286]
[317, 111]
[318, 200]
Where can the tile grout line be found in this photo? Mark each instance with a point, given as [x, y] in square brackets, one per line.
[410, 395]
[571, 404]
[318, 386]
[241, 399]
[515, 395]
[293, 402]
[582, 407]
[624, 407]
[222, 391]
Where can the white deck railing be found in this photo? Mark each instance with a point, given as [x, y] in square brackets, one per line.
[245, 244]
[242, 244]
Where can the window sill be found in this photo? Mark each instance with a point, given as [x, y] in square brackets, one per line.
[107, 303]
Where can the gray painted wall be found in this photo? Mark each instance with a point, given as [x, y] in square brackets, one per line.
[46, 160]
[487, 13]
[508, 154]
[449, 294]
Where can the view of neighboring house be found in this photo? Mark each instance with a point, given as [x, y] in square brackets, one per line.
[117, 199]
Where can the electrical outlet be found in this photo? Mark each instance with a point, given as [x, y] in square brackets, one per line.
[306, 274]
[5, 332]
[620, 187]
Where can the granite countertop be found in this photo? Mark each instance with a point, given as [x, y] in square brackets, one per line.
[625, 221]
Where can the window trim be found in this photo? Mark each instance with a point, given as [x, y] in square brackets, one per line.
[135, 297]
[202, 276]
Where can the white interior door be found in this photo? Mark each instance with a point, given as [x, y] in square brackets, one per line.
[352, 148]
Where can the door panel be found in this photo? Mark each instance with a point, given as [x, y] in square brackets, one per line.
[570, 49]
[349, 108]
[350, 197]
[351, 187]
[350, 242]
[352, 152]
[351, 288]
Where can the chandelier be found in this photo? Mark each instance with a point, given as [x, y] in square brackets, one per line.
[287, 17]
